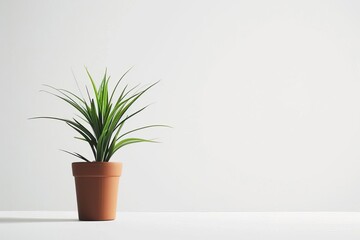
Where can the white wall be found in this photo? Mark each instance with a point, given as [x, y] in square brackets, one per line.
[263, 96]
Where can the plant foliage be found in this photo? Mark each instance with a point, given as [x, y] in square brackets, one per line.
[101, 118]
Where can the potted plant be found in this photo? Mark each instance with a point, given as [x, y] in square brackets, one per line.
[100, 123]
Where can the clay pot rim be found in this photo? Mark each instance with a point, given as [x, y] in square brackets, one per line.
[97, 169]
[96, 162]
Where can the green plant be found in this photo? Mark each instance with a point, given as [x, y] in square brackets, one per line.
[101, 119]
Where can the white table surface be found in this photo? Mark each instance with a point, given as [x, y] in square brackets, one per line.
[183, 225]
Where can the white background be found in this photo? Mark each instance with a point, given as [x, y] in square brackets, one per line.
[263, 97]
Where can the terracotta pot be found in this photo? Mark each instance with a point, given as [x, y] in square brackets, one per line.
[96, 189]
